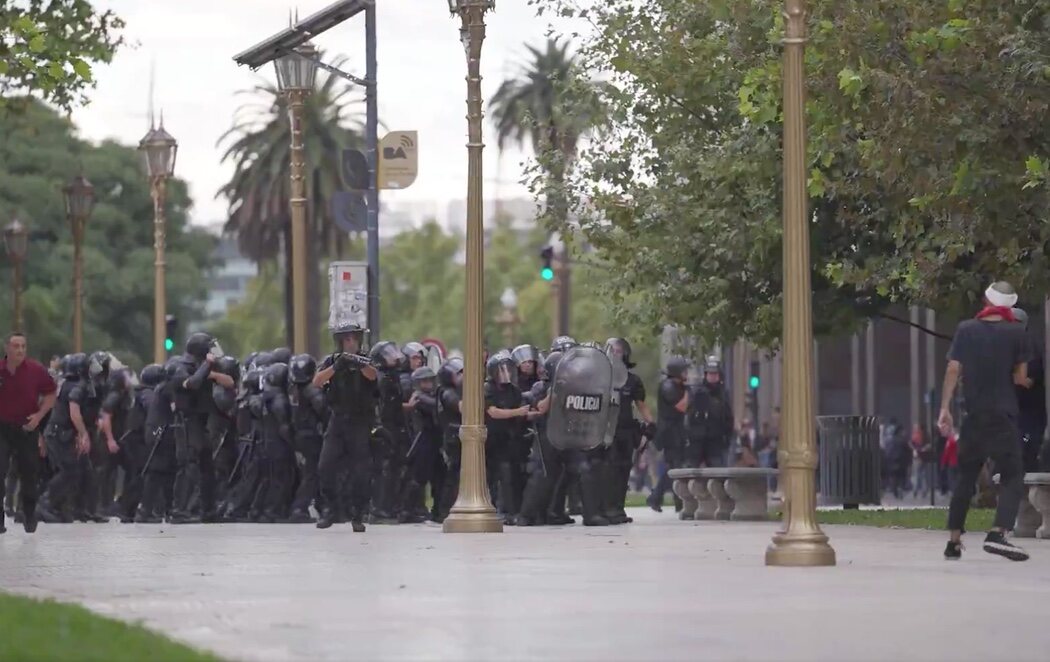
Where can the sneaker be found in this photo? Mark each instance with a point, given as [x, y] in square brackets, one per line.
[357, 525]
[953, 552]
[326, 520]
[996, 543]
[653, 503]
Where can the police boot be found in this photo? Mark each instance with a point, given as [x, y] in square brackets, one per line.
[556, 509]
[614, 492]
[327, 519]
[591, 498]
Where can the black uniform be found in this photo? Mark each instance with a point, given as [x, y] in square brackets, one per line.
[309, 418]
[279, 442]
[391, 446]
[61, 438]
[670, 433]
[709, 422]
[426, 466]
[450, 417]
[545, 468]
[620, 456]
[193, 405]
[247, 474]
[160, 467]
[504, 457]
[86, 500]
[222, 433]
[352, 399]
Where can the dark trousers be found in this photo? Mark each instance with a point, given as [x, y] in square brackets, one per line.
[346, 443]
[196, 470]
[281, 479]
[308, 448]
[618, 463]
[22, 446]
[453, 450]
[987, 436]
[674, 458]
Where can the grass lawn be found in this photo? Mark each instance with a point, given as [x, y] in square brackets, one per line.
[934, 519]
[32, 630]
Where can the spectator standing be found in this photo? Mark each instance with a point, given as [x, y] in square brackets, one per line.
[27, 394]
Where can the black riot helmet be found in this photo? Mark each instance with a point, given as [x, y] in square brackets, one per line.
[152, 375]
[713, 364]
[386, 355]
[99, 363]
[415, 349]
[75, 366]
[550, 364]
[501, 369]
[677, 367]
[171, 368]
[282, 355]
[200, 344]
[277, 375]
[424, 379]
[523, 354]
[562, 343]
[448, 372]
[351, 329]
[251, 380]
[248, 360]
[228, 365]
[302, 369]
[263, 360]
[619, 347]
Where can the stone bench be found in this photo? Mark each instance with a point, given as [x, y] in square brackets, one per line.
[728, 493]
[1033, 519]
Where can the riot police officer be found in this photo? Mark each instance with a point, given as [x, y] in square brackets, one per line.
[545, 467]
[245, 477]
[68, 440]
[505, 411]
[133, 447]
[86, 495]
[527, 360]
[709, 419]
[222, 427]
[426, 466]
[159, 469]
[415, 356]
[279, 443]
[450, 415]
[619, 459]
[116, 406]
[391, 440]
[349, 380]
[671, 405]
[309, 417]
[193, 403]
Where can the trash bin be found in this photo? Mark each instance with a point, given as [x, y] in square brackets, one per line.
[850, 460]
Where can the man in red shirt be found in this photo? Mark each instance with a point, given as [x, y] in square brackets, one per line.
[27, 394]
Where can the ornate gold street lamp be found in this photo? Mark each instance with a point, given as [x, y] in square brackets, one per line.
[473, 511]
[80, 200]
[159, 149]
[800, 542]
[16, 243]
[508, 319]
[296, 73]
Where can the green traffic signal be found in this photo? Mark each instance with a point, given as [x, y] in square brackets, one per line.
[754, 381]
[546, 273]
[169, 344]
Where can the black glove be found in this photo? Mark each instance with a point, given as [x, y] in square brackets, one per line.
[344, 362]
[648, 430]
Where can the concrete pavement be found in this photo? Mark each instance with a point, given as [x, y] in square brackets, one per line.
[658, 589]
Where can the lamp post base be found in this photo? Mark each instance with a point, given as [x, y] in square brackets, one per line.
[473, 511]
[480, 521]
[800, 551]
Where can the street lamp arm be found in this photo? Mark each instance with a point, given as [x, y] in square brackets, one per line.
[316, 59]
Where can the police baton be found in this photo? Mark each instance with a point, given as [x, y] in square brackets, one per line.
[222, 444]
[245, 449]
[412, 448]
[159, 434]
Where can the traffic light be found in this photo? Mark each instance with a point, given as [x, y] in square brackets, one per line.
[754, 382]
[171, 323]
[547, 268]
[751, 398]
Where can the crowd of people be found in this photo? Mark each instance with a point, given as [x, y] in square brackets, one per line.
[357, 436]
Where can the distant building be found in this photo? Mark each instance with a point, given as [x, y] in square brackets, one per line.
[228, 282]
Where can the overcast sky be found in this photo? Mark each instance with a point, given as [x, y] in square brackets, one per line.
[191, 43]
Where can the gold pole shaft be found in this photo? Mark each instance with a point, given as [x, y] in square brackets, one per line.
[800, 542]
[17, 285]
[298, 209]
[473, 511]
[160, 304]
[78, 285]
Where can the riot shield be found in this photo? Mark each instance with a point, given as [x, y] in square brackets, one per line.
[619, 380]
[581, 391]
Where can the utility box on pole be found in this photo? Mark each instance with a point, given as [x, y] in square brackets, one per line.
[348, 290]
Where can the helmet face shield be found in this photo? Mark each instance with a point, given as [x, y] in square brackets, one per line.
[388, 354]
[94, 367]
[216, 350]
[505, 373]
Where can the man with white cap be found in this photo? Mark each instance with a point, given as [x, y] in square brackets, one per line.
[990, 353]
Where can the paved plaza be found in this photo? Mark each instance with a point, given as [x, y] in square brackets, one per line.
[658, 589]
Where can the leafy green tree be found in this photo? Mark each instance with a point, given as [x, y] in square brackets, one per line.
[928, 148]
[259, 144]
[39, 153]
[48, 47]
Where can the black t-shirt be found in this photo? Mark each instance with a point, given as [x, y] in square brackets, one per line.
[502, 396]
[448, 411]
[159, 411]
[989, 352]
[70, 391]
[671, 393]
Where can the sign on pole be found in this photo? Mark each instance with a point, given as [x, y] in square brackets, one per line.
[348, 293]
[398, 159]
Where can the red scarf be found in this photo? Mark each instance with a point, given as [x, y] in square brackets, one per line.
[997, 311]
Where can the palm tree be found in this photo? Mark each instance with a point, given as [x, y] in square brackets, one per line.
[548, 104]
[258, 192]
